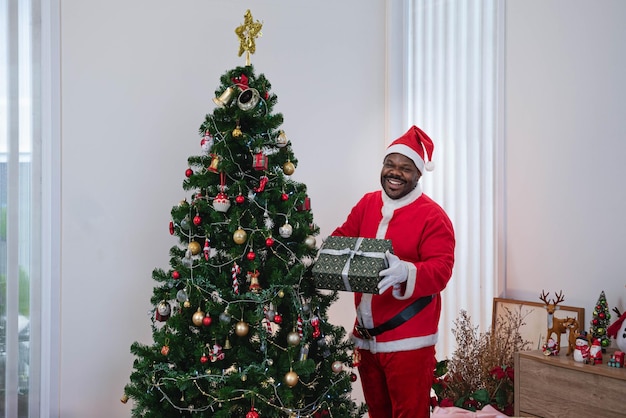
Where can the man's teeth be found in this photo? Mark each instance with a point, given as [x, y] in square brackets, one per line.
[394, 181]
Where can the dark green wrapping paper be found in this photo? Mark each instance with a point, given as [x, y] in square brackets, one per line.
[350, 264]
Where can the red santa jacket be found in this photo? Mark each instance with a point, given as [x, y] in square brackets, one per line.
[421, 233]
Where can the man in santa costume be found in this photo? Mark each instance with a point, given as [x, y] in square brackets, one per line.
[396, 330]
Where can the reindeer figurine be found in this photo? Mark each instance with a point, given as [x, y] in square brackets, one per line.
[556, 326]
[573, 326]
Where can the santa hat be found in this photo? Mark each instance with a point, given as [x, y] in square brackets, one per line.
[417, 146]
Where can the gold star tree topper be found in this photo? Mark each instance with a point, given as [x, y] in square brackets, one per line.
[247, 34]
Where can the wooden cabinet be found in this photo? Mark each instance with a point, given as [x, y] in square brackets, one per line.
[557, 386]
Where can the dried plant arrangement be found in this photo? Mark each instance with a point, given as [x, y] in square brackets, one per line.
[480, 371]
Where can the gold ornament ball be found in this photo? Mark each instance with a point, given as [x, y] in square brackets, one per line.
[281, 293]
[195, 248]
[337, 367]
[310, 242]
[293, 339]
[239, 236]
[197, 317]
[242, 328]
[289, 168]
[187, 304]
[291, 379]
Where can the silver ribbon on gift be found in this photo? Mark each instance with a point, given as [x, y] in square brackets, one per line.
[352, 253]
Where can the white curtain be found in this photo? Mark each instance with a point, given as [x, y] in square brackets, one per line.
[445, 75]
[29, 207]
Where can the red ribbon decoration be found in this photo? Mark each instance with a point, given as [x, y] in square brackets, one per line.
[241, 82]
[222, 181]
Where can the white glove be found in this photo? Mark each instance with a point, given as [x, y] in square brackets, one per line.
[395, 275]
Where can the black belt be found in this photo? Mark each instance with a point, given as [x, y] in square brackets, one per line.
[408, 313]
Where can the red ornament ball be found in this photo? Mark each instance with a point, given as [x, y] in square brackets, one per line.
[269, 241]
[188, 172]
[175, 275]
[171, 228]
[252, 414]
[284, 197]
[197, 220]
[251, 255]
[602, 315]
[204, 359]
[595, 321]
[278, 319]
[353, 377]
[240, 199]
[206, 321]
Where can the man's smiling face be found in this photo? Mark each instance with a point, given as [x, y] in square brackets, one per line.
[399, 175]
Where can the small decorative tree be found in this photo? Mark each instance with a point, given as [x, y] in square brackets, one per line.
[600, 322]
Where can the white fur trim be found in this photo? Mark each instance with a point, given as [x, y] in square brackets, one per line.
[404, 344]
[390, 205]
[407, 152]
[387, 212]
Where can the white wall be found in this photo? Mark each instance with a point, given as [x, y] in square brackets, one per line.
[137, 79]
[565, 147]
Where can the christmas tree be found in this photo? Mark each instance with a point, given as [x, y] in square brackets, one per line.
[238, 327]
[600, 322]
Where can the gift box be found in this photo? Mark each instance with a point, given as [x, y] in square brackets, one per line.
[305, 205]
[260, 161]
[350, 264]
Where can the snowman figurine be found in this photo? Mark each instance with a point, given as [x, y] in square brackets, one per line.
[617, 330]
[581, 350]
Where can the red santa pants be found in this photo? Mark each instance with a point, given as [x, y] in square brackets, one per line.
[397, 385]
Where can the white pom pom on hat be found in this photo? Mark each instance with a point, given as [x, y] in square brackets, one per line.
[416, 145]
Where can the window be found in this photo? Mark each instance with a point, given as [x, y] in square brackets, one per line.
[446, 76]
[28, 176]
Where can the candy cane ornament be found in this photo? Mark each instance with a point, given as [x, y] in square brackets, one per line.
[235, 270]
[299, 326]
[207, 247]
